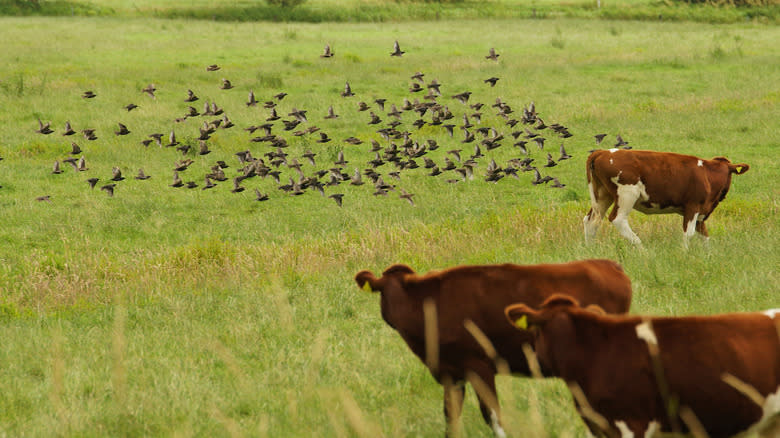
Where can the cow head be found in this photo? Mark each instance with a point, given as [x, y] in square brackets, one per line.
[368, 282]
[739, 169]
[525, 318]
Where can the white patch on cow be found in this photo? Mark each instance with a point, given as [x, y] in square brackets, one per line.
[653, 428]
[772, 313]
[611, 161]
[644, 331]
[497, 429]
[700, 163]
[627, 197]
[613, 150]
[625, 432]
[690, 228]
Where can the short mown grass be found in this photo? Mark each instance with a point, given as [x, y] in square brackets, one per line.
[167, 311]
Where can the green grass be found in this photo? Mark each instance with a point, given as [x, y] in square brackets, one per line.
[170, 312]
[317, 11]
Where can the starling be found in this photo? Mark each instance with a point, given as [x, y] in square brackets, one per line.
[251, 100]
[327, 53]
[56, 168]
[149, 90]
[92, 182]
[109, 188]
[141, 175]
[212, 67]
[89, 94]
[122, 130]
[44, 128]
[347, 91]
[226, 85]
[75, 149]
[130, 106]
[68, 129]
[492, 55]
[599, 138]
[492, 81]
[116, 174]
[338, 197]
[397, 50]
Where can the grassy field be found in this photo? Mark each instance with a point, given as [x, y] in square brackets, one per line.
[316, 11]
[173, 312]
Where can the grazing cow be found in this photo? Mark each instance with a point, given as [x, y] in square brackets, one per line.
[479, 294]
[655, 183]
[635, 371]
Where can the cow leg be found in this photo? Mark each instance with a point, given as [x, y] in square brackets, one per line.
[484, 383]
[600, 200]
[690, 224]
[627, 195]
[453, 404]
[701, 228]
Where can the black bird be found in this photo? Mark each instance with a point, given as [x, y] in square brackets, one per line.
[45, 128]
[331, 113]
[462, 97]
[564, 155]
[109, 188]
[406, 195]
[177, 182]
[620, 142]
[46, 198]
[75, 149]
[92, 182]
[149, 90]
[280, 96]
[88, 94]
[68, 129]
[260, 196]
[550, 161]
[381, 103]
[191, 97]
[492, 55]
[338, 197]
[204, 148]
[212, 67]
[397, 50]
[492, 81]
[323, 138]
[226, 85]
[122, 130]
[141, 175]
[599, 138]
[557, 184]
[56, 168]
[72, 162]
[347, 91]
[116, 174]
[328, 53]
[208, 184]
[130, 106]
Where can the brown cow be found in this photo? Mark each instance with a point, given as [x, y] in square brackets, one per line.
[610, 358]
[655, 183]
[479, 294]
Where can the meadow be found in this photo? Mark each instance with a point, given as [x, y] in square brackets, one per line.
[172, 312]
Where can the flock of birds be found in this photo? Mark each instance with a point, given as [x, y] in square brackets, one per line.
[401, 150]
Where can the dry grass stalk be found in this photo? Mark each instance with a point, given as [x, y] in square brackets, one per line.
[454, 400]
[645, 332]
[119, 347]
[746, 389]
[356, 419]
[501, 365]
[484, 392]
[533, 361]
[431, 335]
[58, 378]
[692, 421]
[228, 423]
[585, 408]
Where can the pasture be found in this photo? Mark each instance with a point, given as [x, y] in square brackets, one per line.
[175, 312]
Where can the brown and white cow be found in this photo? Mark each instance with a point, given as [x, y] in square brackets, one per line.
[479, 294]
[655, 183]
[609, 357]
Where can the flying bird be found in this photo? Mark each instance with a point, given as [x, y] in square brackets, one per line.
[149, 90]
[122, 130]
[492, 81]
[347, 91]
[130, 106]
[397, 50]
[141, 175]
[338, 197]
[327, 53]
[68, 129]
[109, 188]
[191, 97]
[212, 67]
[89, 94]
[226, 85]
[492, 55]
[44, 128]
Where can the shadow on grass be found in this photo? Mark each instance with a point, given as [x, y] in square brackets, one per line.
[51, 8]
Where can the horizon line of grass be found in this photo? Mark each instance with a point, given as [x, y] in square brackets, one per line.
[392, 11]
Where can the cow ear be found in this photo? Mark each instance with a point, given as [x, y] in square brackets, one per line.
[522, 316]
[739, 169]
[555, 300]
[367, 281]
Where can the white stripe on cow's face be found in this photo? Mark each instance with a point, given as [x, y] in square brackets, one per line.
[771, 312]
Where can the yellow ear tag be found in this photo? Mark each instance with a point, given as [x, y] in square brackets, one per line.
[739, 169]
[522, 323]
[367, 287]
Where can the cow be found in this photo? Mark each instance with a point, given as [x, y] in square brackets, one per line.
[655, 183]
[636, 371]
[465, 297]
